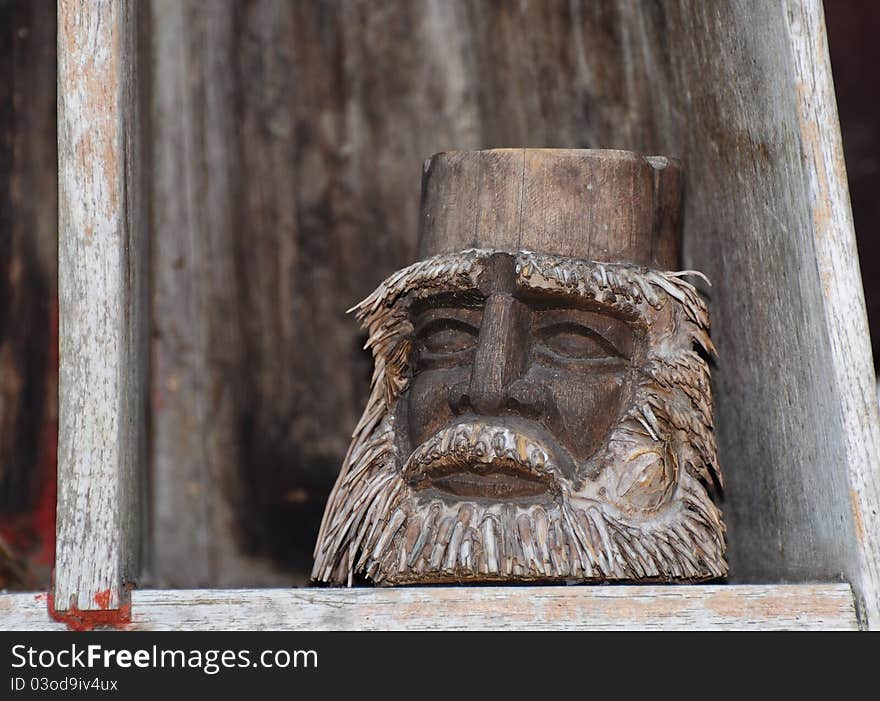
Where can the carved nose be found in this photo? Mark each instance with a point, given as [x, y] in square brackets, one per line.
[499, 360]
[519, 397]
[463, 401]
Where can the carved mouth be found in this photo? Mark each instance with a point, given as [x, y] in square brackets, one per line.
[493, 485]
[476, 460]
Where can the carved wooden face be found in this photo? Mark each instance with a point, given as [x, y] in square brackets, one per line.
[552, 369]
[532, 418]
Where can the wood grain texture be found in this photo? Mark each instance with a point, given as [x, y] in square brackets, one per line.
[706, 607]
[101, 265]
[608, 205]
[287, 150]
[767, 218]
[846, 321]
[198, 388]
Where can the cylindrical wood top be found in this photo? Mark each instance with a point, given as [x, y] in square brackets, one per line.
[604, 205]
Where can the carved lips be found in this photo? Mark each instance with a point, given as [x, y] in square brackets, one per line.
[475, 459]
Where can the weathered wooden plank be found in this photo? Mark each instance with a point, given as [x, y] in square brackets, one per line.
[288, 139]
[742, 607]
[745, 99]
[101, 294]
[197, 388]
[846, 323]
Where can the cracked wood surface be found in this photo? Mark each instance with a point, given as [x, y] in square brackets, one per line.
[101, 259]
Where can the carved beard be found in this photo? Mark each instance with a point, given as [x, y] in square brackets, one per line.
[645, 515]
[393, 533]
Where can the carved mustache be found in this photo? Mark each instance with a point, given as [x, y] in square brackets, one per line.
[481, 449]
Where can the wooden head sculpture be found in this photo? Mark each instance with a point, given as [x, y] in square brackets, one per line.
[540, 409]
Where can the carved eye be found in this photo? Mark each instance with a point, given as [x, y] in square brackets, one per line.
[572, 341]
[448, 337]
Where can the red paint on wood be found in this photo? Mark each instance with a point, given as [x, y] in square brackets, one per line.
[102, 598]
[89, 619]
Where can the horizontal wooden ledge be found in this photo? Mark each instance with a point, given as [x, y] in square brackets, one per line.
[703, 607]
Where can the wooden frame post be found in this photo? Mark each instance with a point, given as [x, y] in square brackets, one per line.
[842, 299]
[101, 298]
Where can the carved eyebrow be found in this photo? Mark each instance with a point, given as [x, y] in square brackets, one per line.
[542, 298]
[450, 301]
[440, 274]
[608, 288]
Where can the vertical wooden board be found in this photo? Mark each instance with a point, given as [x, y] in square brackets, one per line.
[846, 322]
[193, 195]
[742, 93]
[559, 74]
[287, 142]
[101, 306]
